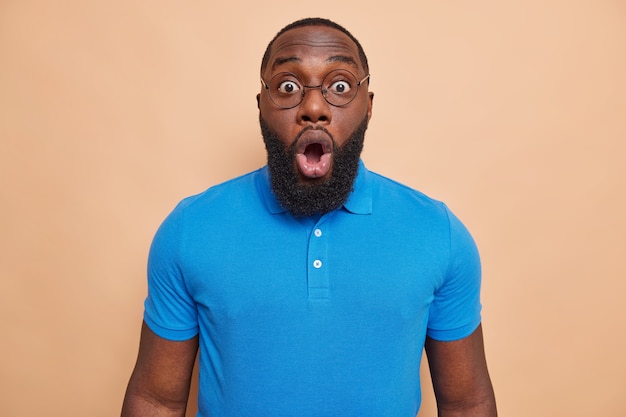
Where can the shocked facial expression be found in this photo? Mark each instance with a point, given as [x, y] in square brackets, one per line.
[316, 61]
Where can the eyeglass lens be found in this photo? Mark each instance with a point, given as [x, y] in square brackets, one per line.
[339, 87]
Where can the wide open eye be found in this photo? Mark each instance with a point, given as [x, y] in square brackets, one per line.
[340, 87]
[288, 87]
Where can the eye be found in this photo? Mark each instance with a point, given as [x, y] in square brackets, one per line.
[288, 87]
[340, 87]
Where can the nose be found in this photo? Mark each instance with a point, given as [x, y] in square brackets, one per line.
[314, 107]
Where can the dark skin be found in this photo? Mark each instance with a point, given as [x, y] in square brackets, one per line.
[311, 53]
[160, 382]
[460, 378]
[159, 385]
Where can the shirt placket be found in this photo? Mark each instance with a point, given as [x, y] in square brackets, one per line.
[317, 262]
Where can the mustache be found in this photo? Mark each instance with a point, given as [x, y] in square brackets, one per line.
[312, 127]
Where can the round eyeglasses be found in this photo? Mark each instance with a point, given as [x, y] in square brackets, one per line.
[339, 87]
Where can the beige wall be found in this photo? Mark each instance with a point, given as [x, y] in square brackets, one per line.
[512, 112]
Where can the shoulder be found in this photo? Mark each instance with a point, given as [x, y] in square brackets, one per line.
[239, 190]
[217, 205]
[395, 195]
[207, 217]
[414, 210]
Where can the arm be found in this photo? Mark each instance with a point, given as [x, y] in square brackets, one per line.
[460, 378]
[159, 384]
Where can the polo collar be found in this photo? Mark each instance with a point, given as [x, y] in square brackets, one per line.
[359, 201]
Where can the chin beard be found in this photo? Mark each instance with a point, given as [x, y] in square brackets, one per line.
[309, 199]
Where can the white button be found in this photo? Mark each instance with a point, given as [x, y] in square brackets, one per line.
[317, 263]
[317, 233]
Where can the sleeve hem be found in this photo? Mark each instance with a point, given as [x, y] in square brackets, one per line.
[452, 335]
[176, 335]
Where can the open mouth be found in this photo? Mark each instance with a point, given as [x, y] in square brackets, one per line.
[314, 154]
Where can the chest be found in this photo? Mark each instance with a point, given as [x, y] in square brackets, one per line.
[377, 266]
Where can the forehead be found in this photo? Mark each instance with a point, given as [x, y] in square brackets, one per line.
[313, 45]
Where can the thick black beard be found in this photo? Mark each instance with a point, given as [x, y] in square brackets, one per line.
[303, 200]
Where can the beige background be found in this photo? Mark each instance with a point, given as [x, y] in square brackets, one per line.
[512, 112]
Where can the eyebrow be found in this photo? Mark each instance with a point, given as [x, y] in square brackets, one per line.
[283, 60]
[343, 58]
[335, 58]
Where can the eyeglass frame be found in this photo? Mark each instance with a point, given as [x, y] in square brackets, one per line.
[304, 87]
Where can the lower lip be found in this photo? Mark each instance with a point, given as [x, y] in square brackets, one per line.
[314, 169]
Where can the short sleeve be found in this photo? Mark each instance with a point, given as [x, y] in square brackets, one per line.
[455, 311]
[170, 311]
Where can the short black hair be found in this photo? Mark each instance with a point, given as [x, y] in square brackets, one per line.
[315, 21]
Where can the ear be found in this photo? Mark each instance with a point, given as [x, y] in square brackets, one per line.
[258, 101]
[370, 104]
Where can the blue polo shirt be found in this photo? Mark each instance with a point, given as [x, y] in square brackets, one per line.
[319, 317]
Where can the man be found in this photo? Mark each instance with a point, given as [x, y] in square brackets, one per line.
[311, 286]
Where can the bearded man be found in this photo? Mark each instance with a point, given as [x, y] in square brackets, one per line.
[311, 286]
